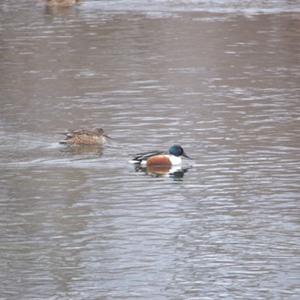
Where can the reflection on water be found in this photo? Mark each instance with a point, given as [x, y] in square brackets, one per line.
[221, 78]
[83, 149]
[162, 7]
[175, 172]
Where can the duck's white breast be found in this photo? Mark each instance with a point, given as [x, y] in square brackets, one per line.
[175, 160]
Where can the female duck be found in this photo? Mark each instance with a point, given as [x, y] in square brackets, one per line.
[85, 137]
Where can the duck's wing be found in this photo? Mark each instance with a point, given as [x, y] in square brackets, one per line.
[139, 157]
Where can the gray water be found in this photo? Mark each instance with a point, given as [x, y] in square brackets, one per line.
[221, 78]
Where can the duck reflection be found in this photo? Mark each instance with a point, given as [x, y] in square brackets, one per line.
[59, 7]
[61, 3]
[176, 172]
[96, 150]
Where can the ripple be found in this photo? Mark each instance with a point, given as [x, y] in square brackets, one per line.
[81, 222]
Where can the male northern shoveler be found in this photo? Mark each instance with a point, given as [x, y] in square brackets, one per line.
[85, 137]
[160, 158]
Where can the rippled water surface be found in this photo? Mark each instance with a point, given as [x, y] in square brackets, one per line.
[221, 78]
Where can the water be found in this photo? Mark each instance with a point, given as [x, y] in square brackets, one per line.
[219, 77]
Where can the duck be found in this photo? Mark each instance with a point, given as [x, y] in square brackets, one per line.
[160, 158]
[85, 137]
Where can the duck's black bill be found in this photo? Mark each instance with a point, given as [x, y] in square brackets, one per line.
[108, 137]
[185, 155]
